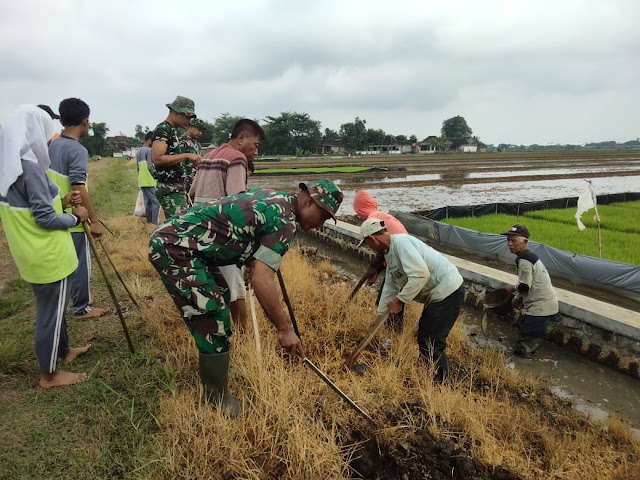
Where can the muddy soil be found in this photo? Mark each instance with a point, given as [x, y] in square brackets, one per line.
[422, 456]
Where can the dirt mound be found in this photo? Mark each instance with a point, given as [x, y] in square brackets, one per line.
[423, 457]
[419, 455]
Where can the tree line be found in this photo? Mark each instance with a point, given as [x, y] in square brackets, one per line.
[290, 133]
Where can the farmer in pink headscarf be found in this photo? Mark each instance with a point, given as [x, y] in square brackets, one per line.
[366, 207]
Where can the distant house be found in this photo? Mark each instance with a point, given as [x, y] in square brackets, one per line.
[329, 146]
[464, 145]
[391, 146]
[427, 145]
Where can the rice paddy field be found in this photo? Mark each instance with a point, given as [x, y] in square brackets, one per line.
[619, 224]
[141, 415]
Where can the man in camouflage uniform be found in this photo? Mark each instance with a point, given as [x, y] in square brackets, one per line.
[258, 226]
[190, 144]
[167, 157]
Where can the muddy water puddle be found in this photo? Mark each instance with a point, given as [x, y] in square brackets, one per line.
[593, 389]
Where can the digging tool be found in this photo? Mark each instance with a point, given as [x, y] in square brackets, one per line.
[310, 364]
[106, 228]
[254, 319]
[335, 388]
[359, 285]
[288, 302]
[366, 340]
[94, 250]
[118, 274]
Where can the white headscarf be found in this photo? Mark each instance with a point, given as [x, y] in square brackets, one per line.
[23, 137]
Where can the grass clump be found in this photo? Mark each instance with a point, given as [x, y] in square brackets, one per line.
[558, 228]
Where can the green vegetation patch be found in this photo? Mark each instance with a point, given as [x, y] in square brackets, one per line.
[558, 228]
[306, 170]
[102, 428]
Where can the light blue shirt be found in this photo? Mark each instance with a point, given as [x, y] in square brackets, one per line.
[417, 272]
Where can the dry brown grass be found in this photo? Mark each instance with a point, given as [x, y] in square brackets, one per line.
[297, 428]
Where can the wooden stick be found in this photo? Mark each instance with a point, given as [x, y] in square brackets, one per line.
[109, 287]
[366, 340]
[289, 306]
[335, 388]
[359, 285]
[254, 319]
[124, 285]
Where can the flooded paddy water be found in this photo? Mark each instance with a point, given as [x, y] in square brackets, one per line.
[432, 182]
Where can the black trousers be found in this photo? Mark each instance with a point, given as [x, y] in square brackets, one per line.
[436, 322]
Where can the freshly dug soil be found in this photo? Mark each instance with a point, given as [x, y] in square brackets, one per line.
[423, 457]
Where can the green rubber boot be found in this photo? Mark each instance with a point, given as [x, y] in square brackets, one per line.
[214, 374]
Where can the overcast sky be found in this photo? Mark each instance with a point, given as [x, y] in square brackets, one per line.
[534, 71]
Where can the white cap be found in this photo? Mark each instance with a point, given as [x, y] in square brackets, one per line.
[369, 227]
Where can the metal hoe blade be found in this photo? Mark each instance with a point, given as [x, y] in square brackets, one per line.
[335, 388]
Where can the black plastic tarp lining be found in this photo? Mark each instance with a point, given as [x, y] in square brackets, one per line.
[522, 207]
[621, 278]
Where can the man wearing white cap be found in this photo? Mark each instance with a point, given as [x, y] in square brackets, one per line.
[417, 272]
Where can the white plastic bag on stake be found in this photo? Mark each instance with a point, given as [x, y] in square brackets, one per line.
[139, 210]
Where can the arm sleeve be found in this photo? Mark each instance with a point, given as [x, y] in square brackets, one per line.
[41, 202]
[78, 163]
[236, 176]
[389, 292]
[277, 235]
[147, 156]
[525, 276]
[160, 135]
[417, 272]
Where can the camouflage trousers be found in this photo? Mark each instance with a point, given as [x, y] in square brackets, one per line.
[198, 290]
[172, 199]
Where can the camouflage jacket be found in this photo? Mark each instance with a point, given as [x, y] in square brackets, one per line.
[172, 175]
[189, 145]
[258, 224]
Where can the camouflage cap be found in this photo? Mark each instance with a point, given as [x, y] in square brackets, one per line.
[326, 194]
[196, 122]
[183, 105]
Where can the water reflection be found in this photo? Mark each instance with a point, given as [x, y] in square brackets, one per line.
[481, 174]
[409, 199]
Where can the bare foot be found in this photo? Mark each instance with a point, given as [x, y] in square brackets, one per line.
[60, 378]
[95, 312]
[75, 352]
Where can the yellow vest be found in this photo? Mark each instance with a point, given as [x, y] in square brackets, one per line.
[144, 175]
[42, 256]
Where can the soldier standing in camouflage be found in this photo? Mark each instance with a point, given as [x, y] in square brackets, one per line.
[190, 144]
[167, 157]
[256, 226]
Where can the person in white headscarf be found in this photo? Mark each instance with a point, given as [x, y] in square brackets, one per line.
[38, 236]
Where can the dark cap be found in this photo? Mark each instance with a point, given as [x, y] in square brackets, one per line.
[47, 108]
[518, 230]
[326, 194]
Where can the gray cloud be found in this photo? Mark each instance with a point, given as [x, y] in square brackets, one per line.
[522, 72]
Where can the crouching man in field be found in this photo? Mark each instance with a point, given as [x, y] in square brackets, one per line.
[38, 235]
[417, 272]
[533, 290]
[259, 225]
